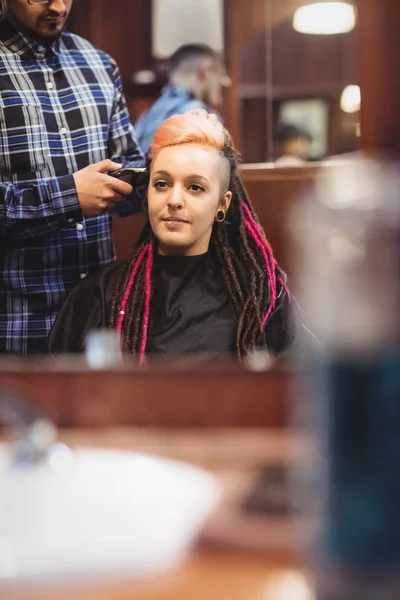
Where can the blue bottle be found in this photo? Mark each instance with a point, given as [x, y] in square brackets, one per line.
[348, 272]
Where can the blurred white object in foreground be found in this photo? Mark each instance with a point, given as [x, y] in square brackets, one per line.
[92, 514]
[348, 265]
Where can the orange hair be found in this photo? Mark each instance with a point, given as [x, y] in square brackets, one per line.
[193, 127]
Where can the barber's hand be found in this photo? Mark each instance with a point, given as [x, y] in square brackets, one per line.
[97, 192]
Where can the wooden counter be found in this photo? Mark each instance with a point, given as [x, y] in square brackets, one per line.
[206, 576]
[170, 395]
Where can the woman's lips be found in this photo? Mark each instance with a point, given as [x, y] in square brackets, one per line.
[174, 223]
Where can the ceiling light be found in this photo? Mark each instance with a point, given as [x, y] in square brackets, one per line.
[324, 18]
[350, 99]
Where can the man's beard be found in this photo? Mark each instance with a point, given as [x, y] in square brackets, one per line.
[44, 38]
[47, 38]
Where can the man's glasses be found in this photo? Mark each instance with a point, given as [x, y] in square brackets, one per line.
[34, 2]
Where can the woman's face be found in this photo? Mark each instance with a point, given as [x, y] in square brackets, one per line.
[185, 193]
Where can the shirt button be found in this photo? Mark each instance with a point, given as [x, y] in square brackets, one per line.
[83, 275]
[79, 227]
[70, 221]
[50, 85]
[41, 48]
[63, 130]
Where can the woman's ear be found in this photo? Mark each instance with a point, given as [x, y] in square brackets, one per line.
[225, 202]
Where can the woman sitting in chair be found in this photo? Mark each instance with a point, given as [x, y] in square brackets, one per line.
[202, 278]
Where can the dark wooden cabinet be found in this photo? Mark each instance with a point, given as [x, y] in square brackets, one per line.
[378, 50]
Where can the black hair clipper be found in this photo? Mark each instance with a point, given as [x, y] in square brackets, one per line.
[135, 176]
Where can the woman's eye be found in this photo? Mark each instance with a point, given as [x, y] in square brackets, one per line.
[196, 188]
[160, 185]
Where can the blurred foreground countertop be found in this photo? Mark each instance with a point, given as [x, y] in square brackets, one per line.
[238, 557]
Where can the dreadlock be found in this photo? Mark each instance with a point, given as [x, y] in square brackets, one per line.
[239, 235]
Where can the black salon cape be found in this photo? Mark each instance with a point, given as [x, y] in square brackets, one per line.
[191, 312]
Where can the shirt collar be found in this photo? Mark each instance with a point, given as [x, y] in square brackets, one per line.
[23, 45]
[177, 90]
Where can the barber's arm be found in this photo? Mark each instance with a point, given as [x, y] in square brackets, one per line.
[40, 209]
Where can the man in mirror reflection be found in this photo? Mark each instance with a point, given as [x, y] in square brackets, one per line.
[293, 144]
[63, 125]
[196, 76]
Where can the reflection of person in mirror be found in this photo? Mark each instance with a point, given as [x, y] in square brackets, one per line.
[195, 82]
[63, 126]
[202, 278]
[293, 145]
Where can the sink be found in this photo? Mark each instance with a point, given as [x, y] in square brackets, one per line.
[86, 514]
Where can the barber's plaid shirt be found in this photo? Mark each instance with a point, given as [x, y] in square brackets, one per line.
[61, 109]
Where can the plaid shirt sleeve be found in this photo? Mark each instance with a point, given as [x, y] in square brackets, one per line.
[123, 145]
[39, 209]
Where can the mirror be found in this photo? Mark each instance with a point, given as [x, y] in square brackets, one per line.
[280, 75]
[298, 88]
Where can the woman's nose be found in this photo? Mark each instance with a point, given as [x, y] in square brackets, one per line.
[175, 197]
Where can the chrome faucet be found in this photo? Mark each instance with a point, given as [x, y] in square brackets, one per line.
[36, 434]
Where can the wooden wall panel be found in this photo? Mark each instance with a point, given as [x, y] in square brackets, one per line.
[168, 397]
[80, 20]
[379, 49]
[121, 27]
[242, 21]
[255, 125]
[273, 193]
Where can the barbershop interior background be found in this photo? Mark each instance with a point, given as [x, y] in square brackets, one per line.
[299, 498]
